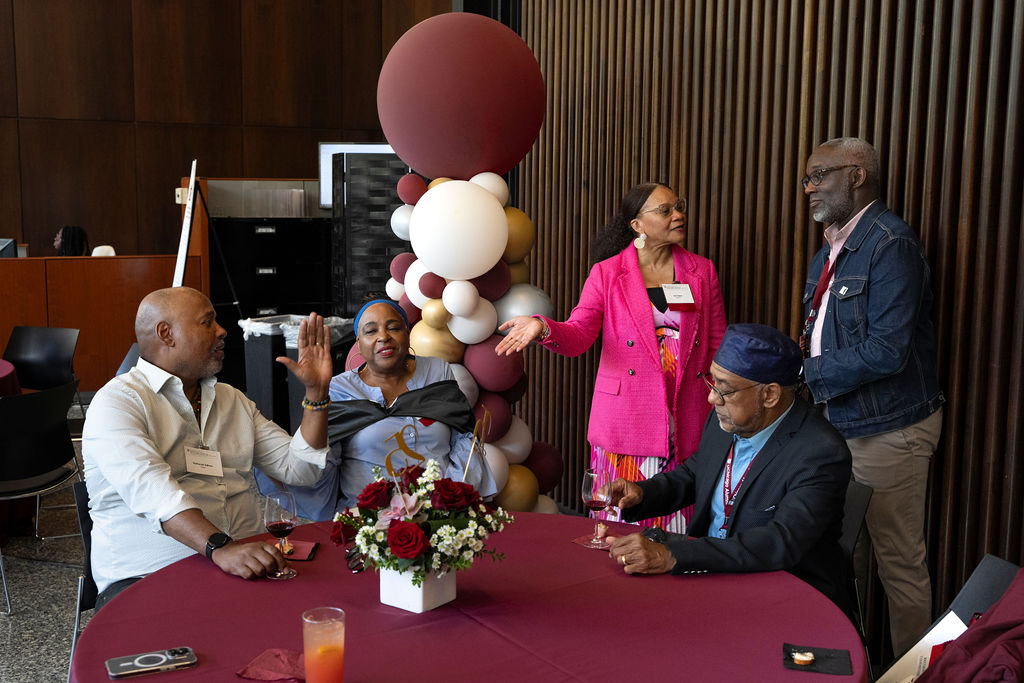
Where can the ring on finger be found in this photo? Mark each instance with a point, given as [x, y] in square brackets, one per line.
[623, 558]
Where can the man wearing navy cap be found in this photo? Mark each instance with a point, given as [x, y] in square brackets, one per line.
[768, 481]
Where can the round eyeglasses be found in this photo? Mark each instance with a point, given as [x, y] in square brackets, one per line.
[818, 177]
[710, 381]
[665, 210]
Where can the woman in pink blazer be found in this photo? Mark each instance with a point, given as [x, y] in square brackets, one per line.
[650, 402]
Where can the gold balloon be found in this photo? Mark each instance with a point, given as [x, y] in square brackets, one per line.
[521, 492]
[436, 181]
[522, 235]
[435, 314]
[519, 273]
[430, 341]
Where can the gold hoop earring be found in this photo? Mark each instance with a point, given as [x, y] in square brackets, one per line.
[641, 241]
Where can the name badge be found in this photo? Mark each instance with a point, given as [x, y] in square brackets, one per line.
[203, 461]
[679, 297]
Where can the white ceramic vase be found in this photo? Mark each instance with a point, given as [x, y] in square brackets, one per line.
[396, 589]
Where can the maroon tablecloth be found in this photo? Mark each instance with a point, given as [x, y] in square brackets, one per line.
[8, 379]
[552, 611]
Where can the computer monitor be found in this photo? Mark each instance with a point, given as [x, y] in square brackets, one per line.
[8, 248]
[327, 152]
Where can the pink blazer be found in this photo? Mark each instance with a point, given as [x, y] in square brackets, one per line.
[629, 413]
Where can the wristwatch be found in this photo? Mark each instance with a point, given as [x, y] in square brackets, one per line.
[217, 540]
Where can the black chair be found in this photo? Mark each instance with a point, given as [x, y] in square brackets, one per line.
[42, 355]
[86, 585]
[130, 359]
[858, 496]
[36, 453]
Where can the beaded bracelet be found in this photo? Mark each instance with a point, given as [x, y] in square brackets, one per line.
[315, 405]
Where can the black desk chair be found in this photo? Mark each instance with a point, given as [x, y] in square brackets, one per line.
[86, 585]
[858, 496]
[36, 453]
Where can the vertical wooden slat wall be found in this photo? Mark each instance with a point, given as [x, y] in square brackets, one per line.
[725, 101]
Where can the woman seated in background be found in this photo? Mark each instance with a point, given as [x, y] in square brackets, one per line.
[650, 402]
[392, 403]
[71, 240]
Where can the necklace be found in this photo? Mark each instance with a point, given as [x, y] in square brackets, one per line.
[197, 402]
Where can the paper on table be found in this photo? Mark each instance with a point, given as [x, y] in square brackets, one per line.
[916, 660]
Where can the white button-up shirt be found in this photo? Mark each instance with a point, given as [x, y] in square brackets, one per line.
[133, 447]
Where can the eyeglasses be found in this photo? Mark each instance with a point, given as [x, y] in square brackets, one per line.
[718, 392]
[818, 177]
[665, 210]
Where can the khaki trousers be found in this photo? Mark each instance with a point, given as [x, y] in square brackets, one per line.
[895, 464]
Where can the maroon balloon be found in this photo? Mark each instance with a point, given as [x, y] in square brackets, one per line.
[517, 391]
[432, 285]
[546, 464]
[460, 94]
[491, 371]
[410, 188]
[501, 415]
[414, 314]
[354, 359]
[493, 284]
[400, 264]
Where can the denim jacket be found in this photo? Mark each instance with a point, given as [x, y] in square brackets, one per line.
[878, 367]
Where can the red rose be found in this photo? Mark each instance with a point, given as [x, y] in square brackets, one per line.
[406, 540]
[338, 533]
[408, 476]
[450, 495]
[376, 495]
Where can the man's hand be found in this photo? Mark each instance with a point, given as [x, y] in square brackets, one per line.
[314, 367]
[248, 560]
[639, 555]
[625, 494]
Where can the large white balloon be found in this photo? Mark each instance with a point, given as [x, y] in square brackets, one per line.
[522, 300]
[400, 221]
[460, 297]
[498, 462]
[474, 328]
[458, 230]
[466, 382]
[517, 442]
[413, 274]
[546, 505]
[394, 288]
[493, 183]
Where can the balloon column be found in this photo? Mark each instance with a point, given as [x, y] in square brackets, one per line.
[461, 100]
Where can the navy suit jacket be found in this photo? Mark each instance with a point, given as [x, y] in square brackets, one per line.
[787, 515]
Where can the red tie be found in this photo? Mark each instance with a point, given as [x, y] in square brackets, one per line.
[819, 292]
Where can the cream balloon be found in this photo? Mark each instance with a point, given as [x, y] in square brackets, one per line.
[498, 462]
[400, 221]
[458, 230]
[517, 442]
[436, 315]
[474, 328]
[546, 505]
[493, 183]
[439, 343]
[460, 297]
[522, 300]
[394, 289]
[413, 273]
[466, 382]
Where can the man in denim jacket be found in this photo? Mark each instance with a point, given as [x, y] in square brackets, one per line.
[872, 363]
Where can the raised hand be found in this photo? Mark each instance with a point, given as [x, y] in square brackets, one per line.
[314, 367]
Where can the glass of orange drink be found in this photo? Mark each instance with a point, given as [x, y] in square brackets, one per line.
[323, 639]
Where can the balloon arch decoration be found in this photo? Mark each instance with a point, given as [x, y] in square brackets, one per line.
[461, 100]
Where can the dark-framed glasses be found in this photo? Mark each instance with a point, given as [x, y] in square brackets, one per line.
[665, 210]
[710, 381]
[818, 177]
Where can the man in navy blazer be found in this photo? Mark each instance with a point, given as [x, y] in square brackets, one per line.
[768, 481]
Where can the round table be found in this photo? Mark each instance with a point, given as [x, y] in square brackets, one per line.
[551, 611]
[8, 379]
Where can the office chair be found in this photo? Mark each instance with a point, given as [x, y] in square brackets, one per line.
[858, 496]
[86, 584]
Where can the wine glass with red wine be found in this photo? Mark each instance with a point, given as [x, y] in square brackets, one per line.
[279, 516]
[596, 497]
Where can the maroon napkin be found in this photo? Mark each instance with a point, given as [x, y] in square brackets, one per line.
[275, 664]
[304, 550]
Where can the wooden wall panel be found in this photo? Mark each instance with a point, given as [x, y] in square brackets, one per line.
[187, 61]
[78, 172]
[10, 180]
[361, 58]
[8, 83]
[398, 16]
[74, 285]
[23, 282]
[163, 153]
[725, 101]
[283, 152]
[305, 89]
[74, 59]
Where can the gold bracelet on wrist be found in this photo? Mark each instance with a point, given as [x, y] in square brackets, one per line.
[315, 405]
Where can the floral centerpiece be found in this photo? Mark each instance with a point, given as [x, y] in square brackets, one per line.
[420, 522]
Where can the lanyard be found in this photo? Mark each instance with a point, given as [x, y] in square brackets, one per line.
[819, 293]
[728, 493]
